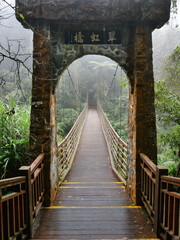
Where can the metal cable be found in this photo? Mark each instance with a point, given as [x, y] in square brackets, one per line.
[73, 85]
[112, 81]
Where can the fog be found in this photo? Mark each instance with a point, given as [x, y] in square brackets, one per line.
[165, 40]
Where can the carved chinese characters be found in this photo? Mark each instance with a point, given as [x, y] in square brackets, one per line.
[93, 37]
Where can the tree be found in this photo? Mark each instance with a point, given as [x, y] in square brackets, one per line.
[102, 69]
[15, 58]
[171, 71]
[168, 114]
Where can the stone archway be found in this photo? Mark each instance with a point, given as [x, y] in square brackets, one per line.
[67, 30]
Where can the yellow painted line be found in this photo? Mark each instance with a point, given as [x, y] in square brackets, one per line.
[92, 182]
[90, 187]
[91, 207]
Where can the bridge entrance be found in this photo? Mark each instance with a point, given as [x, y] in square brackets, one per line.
[92, 203]
[67, 30]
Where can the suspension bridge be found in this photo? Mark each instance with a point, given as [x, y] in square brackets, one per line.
[92, 201]
[74, 181]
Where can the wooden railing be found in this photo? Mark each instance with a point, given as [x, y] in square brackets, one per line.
[148, 184]
[116, 146]
[13, 207]
[160, 194]
[67, 148]
[20, 201]
[21, 197]
[170, 207]
[161, 197]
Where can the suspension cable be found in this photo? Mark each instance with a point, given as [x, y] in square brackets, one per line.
[112, 81]
[120, 106]
[73, 85]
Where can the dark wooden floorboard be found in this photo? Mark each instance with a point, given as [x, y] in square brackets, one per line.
[88, 201]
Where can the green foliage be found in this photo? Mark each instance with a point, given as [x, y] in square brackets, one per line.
[168, 116]
[69, 105]
[174, 7]
[168, 113]
[171, 72]
[65, 120]
[21, 16]
[166, 158]
[172, 137]
[123, 82]
[116, 107]
[167, 104]
[14, 135]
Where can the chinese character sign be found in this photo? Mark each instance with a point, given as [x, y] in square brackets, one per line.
[93, 37]
[111, 37]
[79, 38]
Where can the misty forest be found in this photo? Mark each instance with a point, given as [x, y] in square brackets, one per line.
[91, 73]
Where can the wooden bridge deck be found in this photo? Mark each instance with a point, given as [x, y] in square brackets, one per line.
[91, 203]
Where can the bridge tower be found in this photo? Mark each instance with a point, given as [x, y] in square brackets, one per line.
[67, 30]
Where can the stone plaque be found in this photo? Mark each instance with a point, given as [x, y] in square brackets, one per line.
[93, 37]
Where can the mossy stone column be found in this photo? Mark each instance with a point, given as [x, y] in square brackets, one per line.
[43, 110]
[142, 121]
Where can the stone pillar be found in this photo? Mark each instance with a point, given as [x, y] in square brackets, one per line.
[142, 122]
[43, 110]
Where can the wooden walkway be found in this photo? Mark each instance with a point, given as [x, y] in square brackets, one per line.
[91, 203]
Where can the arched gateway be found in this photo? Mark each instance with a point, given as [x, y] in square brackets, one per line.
[65, 30]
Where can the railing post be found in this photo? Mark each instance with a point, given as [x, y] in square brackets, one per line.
[26, 171]
[160, 170]
[1, 217]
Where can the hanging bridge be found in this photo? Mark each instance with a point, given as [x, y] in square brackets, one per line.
[92, 201]
[82, 199]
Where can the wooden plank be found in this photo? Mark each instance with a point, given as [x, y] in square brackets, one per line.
[170, 212]
[1, 218]
[95, 207]
[27, 172]
[160, 170]
[173, 194]
[36, 162]
[148, 162]
[17, 214]
[11, 182]
[11, 195]
[7, 220]
[21, 210]
[172, 180]
[176, 218]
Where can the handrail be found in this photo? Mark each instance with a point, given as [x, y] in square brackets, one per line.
[170, 206]
[9, 182]
[171, 180]
[67, 148]
[161, 197]
[22, 197]
[20, 201]
[13, 207]
[116, 146]
[148, 182]
[148, 162]
[37, 162]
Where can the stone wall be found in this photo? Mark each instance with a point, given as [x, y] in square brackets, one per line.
[64, 54]
[155, 12]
